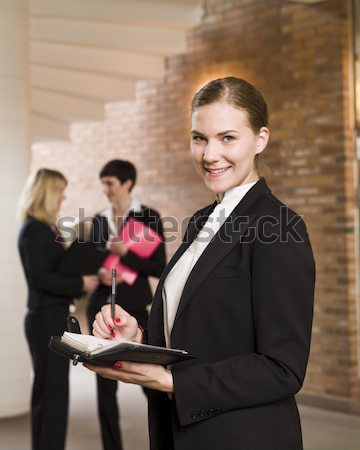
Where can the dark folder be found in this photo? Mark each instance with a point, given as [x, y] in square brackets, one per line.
[126, 351]
[82, 258]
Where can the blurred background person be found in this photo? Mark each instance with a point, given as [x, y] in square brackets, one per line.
[118, 178]
[49, 296]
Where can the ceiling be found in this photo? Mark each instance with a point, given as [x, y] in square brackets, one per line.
[84, 53]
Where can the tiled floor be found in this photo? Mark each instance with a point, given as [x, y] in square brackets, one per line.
[323, 430]
[327, 430]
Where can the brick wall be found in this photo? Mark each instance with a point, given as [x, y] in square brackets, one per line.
[298, 56]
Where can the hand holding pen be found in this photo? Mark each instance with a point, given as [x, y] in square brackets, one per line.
[115, 321]
[123, 327]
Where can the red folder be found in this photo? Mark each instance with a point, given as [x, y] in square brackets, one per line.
[141, 240]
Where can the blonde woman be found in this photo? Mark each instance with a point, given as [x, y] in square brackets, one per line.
[49, 296]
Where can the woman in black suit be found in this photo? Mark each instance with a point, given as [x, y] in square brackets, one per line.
[118, 178]
[49, 295]
[238, 293]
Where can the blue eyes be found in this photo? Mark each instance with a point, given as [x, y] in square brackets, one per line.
[226, 139]
[197, 138]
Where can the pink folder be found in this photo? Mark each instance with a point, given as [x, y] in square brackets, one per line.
[141, 240]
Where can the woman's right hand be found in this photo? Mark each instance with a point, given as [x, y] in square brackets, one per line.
[123, 328]
[90, 283]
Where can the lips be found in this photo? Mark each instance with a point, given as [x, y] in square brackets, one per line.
[216, 171]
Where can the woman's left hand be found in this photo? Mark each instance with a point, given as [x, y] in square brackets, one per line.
[152, 376]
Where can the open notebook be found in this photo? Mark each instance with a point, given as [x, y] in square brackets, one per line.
[105, 352]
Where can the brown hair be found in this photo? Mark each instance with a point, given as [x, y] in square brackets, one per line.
[39, 196]
[242, 95]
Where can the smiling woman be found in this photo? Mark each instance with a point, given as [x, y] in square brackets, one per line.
[236, 293]
[224, 146]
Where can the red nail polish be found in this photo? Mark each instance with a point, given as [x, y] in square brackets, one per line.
[118, 365]
[113, 334]
[110, 326]
[117, 319]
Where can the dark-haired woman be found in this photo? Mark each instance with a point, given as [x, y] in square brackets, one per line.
[238, 293]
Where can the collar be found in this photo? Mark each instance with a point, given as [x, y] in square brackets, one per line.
[135, 206]
[234, 195]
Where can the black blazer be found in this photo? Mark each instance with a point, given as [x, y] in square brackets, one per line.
[133, 298]
[246, 311]
[40, 255]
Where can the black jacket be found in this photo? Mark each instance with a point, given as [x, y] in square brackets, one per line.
[246, 311]
[40, 255]
[133, 298]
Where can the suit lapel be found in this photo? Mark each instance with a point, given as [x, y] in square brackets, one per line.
[229, 235]
[196, 223]
[193, 228]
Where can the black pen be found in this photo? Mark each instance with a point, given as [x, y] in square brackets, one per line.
[113, 293]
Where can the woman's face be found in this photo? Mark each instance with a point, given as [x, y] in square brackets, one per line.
[223, 146]
[60, 195]
[114, 190]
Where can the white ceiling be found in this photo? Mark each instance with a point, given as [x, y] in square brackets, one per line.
[84, 53]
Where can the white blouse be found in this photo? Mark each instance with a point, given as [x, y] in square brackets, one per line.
[176, 279]
[109, 214]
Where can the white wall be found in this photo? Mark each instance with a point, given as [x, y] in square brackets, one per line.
[14, 165]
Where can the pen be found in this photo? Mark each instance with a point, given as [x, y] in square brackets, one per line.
[113, 292]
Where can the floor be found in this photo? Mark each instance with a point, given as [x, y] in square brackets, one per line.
[323, 430]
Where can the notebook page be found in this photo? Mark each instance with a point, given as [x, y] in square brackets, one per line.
[87, 342]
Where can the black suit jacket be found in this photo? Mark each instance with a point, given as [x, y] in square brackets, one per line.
[40, 255]
[133, 298]
[246, 311]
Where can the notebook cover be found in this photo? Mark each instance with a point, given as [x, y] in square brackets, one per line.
[82, 258]
[129, 352]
